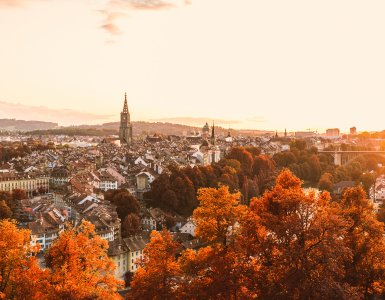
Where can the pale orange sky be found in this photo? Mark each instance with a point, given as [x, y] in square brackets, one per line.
[266, 64]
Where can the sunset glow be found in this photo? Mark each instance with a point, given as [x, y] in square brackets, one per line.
[251, 64]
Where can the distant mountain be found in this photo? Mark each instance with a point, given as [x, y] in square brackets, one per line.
[147, 128]
[140, 128]
[151, 128]
[22, 125]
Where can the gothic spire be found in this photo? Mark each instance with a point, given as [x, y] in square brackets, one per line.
[213, 134]
[125, 107]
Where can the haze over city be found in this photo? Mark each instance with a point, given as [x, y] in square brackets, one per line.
[192, 149]
[247, 64]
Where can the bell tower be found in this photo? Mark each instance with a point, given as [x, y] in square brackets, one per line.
[125, 131]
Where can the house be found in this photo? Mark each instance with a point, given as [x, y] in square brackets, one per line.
[46, 229]
[135, 245]
[143, 180]
[147, 221]
[118, 253]
[189, 227]
[106, 181]
[141, 161]
[30, 184]
[60, 176]
[339, 187]
[115, 174]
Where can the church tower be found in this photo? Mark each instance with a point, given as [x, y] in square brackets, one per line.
[213, 135]
[125, 132]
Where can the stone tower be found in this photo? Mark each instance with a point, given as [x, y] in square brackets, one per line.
[125, 132]
[213, 135]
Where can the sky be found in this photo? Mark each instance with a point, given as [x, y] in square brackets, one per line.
[244, 63]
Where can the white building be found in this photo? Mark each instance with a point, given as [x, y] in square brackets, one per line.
[188, 227]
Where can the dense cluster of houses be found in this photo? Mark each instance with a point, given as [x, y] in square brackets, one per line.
[66, 184]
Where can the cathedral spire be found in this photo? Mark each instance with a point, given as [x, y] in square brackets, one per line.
[125, 131]
[125, 107]
[213, 134]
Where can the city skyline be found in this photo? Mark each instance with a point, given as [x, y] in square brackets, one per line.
[249, 66]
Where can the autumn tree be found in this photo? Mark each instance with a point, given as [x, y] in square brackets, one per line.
[326, 182]
[18, 194]
[130, 225]
[293, 236]
[158, 276]
[5, 211]
[368, 181]
[20, 276]
[124, 201]
[6, 196]
[244, 157]
[215, 271]
[217, 214]
[381, 213]
[365, 237]
[79, 266]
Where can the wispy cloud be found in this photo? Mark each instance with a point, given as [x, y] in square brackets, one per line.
[40, 113]
[116, 9]
[15, 3]
[11, 2]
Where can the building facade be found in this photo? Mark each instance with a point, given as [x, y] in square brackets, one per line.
[28, 184]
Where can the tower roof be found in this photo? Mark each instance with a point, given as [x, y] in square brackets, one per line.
[125, 107]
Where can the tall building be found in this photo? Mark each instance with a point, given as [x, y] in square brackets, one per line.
[213, 135]
[125, 132]
[333, 133]
[205, 131]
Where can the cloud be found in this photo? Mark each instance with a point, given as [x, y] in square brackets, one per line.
[111, 28]
[191, 121]
[11, 2]
[116, 9]
[149, 4]
[15, 3]
[40, 113]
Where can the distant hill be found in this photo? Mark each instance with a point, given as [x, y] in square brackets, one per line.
[165, 128]
[147, 128]
[140, 128]
[22, 125]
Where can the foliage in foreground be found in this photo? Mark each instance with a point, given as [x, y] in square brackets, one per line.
[78, 266]
[287, 245]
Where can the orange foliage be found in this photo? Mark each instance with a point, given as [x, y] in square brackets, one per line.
[289, 244]
[365, 237]
[20, 276]
[80, 268]
[217, 214]
[295, 236]
[216, 271]
[158, 275]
